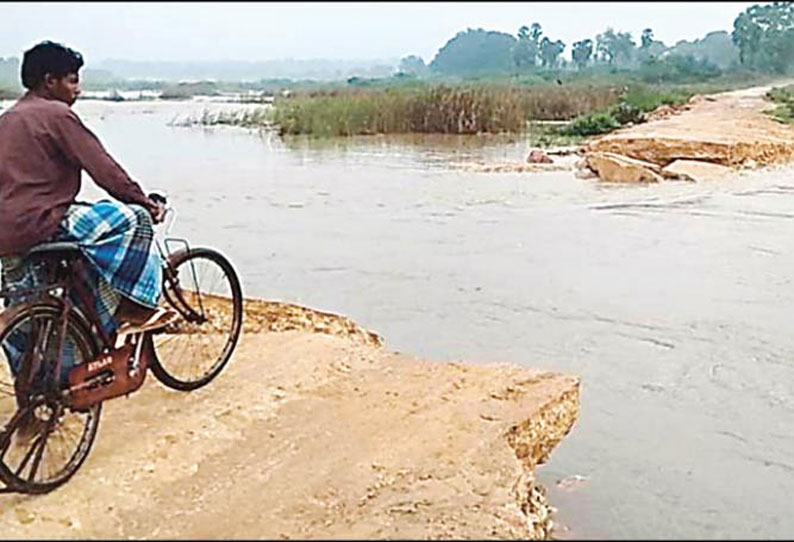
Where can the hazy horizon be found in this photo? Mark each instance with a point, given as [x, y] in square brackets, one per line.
[256, 32]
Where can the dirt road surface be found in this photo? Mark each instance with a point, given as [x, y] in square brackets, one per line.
[316, 430]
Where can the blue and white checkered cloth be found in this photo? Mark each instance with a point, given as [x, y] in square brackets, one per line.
[117, 242]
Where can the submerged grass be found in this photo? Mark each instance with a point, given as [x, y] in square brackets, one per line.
[260, 117]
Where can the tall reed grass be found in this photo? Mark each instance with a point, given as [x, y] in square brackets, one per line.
[436, 109]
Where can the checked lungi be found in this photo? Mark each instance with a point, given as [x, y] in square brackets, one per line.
[116, 241]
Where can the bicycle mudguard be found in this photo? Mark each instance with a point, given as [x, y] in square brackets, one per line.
[23, 370]
[8, 315]
[112, 374]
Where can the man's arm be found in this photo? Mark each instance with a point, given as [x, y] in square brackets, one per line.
[81, 146]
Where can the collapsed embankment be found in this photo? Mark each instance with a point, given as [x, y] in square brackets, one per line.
[709, 138]
[315, 430]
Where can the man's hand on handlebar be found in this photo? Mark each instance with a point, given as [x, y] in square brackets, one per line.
[158, 212]
[158, 207]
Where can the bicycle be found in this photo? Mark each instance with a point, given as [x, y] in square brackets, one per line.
[64, 406]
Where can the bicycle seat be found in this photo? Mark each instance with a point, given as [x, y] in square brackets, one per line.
[60, 248]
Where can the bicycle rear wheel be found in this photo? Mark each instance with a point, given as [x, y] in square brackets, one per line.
[203, 287]
[44, 442]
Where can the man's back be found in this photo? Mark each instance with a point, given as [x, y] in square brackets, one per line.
[43, 147]
[37, 180]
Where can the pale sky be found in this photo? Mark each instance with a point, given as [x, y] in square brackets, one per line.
[251, 31]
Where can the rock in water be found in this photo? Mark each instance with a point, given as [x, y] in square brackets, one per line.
[622, 169]
[538, 157]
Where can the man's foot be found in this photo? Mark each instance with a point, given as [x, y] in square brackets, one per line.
[133, 313]
[158, 319]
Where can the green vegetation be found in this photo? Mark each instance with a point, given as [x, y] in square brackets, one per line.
[632, 107]
[784, 98]
[461, 109]
[482, 81]
[551, 134]
[184, 91]
[764, 35]
[534, 107]
[592, 124]
[475, 51]
[635, 104]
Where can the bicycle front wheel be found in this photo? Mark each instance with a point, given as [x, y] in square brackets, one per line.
[203, 287]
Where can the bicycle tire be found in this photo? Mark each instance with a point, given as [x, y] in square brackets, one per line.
[187, 260]
[12, 475]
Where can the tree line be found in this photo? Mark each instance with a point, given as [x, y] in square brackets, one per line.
[762, 39]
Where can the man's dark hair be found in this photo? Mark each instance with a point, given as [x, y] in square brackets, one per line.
[48, 57]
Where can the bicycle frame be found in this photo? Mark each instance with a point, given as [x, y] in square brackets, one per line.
[60, 291]
[63, 280]
[174, 293]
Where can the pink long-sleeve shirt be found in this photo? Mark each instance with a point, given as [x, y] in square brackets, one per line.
[43, 148]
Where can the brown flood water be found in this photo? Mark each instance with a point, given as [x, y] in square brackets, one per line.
[672, 302]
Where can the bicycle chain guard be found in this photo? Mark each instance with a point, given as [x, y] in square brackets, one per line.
[112, 374]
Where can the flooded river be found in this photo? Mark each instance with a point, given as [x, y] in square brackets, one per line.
[672, 302]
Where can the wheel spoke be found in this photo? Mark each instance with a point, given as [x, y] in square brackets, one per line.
[37, 460]
[28, 455]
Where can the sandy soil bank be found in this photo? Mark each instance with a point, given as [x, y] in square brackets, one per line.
[315, 430]
[730, 129]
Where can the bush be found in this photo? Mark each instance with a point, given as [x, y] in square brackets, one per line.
[784, 97]
[632, 107]
[678, 69]
[592, 124]
[626, 113]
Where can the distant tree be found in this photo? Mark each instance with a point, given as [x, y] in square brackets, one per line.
[605, 46]
[550, 51]
[615, 48]
[581, 53]
[764, 35]
[413, 65]
[535, 32]
[527, 48]
[476, 52]
[649, 47]
[646, 39]
[522, 52]
[716, 47]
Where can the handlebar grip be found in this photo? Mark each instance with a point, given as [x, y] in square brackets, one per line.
[158, 197]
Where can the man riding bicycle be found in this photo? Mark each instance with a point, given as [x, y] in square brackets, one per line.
[44, 146]
[101, 260]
